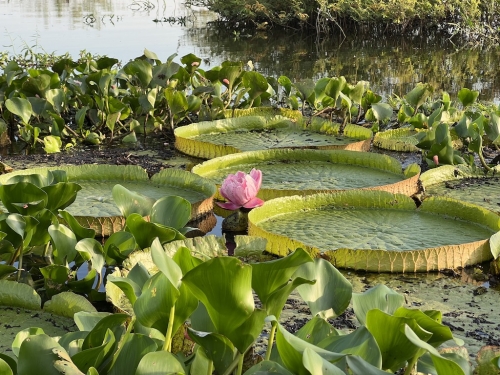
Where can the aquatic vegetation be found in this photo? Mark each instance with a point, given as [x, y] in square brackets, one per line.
[240, 190]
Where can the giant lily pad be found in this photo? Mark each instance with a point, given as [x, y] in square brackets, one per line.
[303, 172]
[402, 139]
[460, 182]
[211, 139]
[377, 231]
[94, 206]
[264, 111]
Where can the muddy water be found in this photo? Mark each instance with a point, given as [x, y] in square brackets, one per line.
[123, 28]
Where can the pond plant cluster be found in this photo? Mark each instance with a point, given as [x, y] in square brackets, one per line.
[182, 306]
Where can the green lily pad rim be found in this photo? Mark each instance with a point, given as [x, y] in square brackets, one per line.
[385, 261]
[452, 173]
[391, 139]
[247, 160]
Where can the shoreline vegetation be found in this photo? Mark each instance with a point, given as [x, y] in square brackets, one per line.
[477, 21]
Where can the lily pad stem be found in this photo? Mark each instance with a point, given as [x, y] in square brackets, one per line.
[240, 365]
[167, 345]
[270, 342]
[236, 362]
[483, 162]
[411, 365]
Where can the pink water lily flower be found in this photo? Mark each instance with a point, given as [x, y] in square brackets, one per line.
[241, 190]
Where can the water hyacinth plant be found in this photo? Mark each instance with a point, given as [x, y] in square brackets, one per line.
[241, 190]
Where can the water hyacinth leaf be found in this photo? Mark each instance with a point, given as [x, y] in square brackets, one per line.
[217, 348]
[267, 368]
[52, 144]
[440, 332]
[91, 251]
[23, 197]
[442, 364]
[44, 349]
[166, 264]
[394, 346]
[359, 342]
[330, 295]
[379, 297]
[130, 138]
[95, 356]
[5, 368]
[316, 365]
[61, 195]
[15, 294]
[249, 245]
[140, 69]
[176, 100]
[492, 128]
[382, 111]
[20, 107]
[163, 72]
[160, 363]
[22, 335]
[185, 260]
[86, 321]
[419, 95]
[133, 348]
[99, 333]
[231, 72]
[128, 287]
[129, 202]
[6, 270]
[80, 116]
[145, 232]
[334, 87]
[118, 246]
[256, 83]
[191, 61]
[316, 330]
[467, 96]
[285, 82]
[291, 349]
[360, 367]
[79, 231]
[68, 304]
[153, 306]
[139, 274]
[40, 235]
[268, 277]
[229, 304]
[277, 299]
[56, 97]
[64, 242]
[84, 285]
[172, 211]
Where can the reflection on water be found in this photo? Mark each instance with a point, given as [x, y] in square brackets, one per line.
[123, 28]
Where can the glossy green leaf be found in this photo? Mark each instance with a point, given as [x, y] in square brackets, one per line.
[99, 333]
[86, 321]
[419, 95]
[394, 346]
[91, 250]
[5, 369]
[316, 365]
[128, 287]
[15, 294]
[166, 264]
[255, 82]
[44, 349]
[176, 100]
[56, 97]
[492, 128]
[68, 304]
[20, 107]
[330, 295]
[41, 235]
[223, 285]
[291, 349]
[382, 111]
[118, 246]
[64, 241]
[133, 348]
[61, 195]
[153, 306]
[217, 348]
[79, 231]
[359, 342]
[443, 365]
[172, 211]
[94, 356]
[316, 330]
[23, 197]
[22, 335]
[267, 368]
[52, 144]
[84, 285]
[162, 362]
[5, 269]
[335, 86]
[140, 69]
[467, 96]
[360, 367]
[379, 297]
[129, 202]
[145, 232]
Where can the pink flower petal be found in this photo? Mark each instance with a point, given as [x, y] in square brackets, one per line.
[257, 176]
[228, 205]
[254, 202]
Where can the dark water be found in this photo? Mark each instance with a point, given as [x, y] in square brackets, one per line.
[123, 28]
